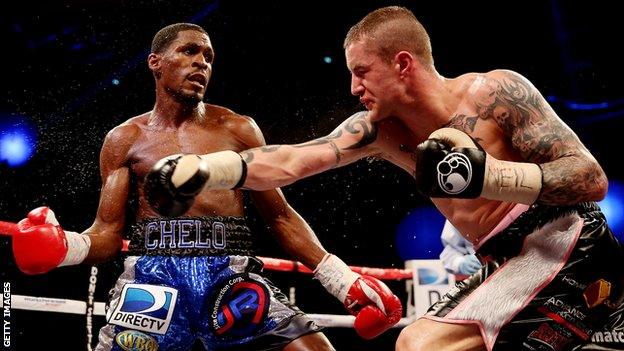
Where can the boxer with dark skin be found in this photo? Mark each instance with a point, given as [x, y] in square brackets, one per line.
[177, 252]
[181, 123]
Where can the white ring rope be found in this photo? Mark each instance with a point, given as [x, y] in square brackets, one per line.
[49, 304]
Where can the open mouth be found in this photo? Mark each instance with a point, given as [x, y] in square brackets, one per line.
[198, 78]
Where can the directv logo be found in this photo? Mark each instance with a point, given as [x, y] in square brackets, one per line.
[145, 307]
[429, 276]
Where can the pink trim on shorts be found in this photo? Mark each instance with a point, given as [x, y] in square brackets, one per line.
[458, 321]
[511, 216]
[490, 340]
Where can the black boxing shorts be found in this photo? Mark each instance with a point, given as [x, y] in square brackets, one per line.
[551, 279]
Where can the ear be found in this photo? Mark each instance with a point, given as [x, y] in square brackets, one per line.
[154, 62]
[404, 61]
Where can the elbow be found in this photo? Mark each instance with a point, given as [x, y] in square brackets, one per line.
[111, 250]
[595, 180]
[601, 183]
[580, 179]
[105, 246]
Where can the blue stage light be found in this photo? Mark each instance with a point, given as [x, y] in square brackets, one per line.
[613, 208]
[418, 234]
[17, 141]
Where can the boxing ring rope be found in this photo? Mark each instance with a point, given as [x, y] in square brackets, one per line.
[276, 264]
[47, 304]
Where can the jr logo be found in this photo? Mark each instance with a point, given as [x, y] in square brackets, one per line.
[240, 307]
[145, 307]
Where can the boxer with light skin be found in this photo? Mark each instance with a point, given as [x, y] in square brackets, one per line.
[497, 161]
[186, 259]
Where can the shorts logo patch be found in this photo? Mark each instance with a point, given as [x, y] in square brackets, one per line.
[145, 307]
[239, 306]
[546, 335]
[609, 336]
[132, 340]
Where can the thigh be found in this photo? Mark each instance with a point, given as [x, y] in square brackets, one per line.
[426, 334]
[310, 342]
[145, 311]
[246, 310]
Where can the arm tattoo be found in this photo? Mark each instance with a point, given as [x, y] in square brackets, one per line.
[570, 175]
[354, 125]
[369, 134]
[463, 122]
[324, 140]
[270, 148]
[336, 152]
[248, 156]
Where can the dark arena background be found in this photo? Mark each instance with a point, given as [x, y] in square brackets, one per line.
[73, 70]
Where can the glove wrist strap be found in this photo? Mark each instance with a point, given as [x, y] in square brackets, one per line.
[78, 246]
[335, 276]
[227, 170]
[511, 181]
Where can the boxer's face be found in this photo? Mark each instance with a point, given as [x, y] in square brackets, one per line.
[372, 79]
[186, 66]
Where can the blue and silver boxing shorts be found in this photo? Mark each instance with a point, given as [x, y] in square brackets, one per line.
[189, 279]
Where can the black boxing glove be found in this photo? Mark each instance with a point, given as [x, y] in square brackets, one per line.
[171, 185]
[451, 164]
[442, 171]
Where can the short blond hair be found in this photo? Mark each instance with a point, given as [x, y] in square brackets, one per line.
[392, 29]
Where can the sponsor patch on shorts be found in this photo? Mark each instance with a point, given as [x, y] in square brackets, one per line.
[132, 340]
[608, 336]
[547, 336]
[239, 306]
[145, 307]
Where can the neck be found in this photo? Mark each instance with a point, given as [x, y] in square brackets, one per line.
[170, 111]
[430, 102]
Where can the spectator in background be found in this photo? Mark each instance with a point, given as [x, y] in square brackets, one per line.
[458, 255]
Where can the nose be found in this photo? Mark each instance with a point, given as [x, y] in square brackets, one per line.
[200, 62]
[356, 85]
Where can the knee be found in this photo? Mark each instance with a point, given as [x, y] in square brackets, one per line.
[413, 338]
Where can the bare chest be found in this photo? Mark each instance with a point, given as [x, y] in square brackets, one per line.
[473, 217]
[156, 144]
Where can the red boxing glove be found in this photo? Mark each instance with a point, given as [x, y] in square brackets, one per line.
[374, 306]
[41, 244]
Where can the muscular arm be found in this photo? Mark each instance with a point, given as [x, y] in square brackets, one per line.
[291, 231]
[278, 165]
[570, 173]
[106, 230]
